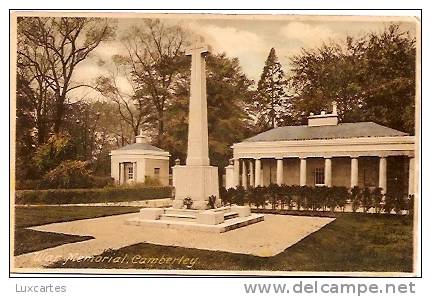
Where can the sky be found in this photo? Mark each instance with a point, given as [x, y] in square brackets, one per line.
[249, 38]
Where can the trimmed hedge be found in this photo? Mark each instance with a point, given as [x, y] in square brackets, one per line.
[41, 184]
[319, 198]
[102, 195]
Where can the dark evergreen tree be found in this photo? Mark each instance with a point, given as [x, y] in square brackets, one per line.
[270, 104]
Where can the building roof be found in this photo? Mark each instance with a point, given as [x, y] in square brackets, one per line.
[140, 146]
[342, 130]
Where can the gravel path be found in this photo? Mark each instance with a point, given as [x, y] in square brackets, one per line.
[265, 239]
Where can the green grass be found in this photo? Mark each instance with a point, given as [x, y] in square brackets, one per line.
[27, 240]
[353, 242]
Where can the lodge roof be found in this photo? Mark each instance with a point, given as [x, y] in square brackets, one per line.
[342, 130]
[140, 146]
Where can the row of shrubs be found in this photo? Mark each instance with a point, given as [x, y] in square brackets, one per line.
[319, 198]
[100, 195]
[43, 184]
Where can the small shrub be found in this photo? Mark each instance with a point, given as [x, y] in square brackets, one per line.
[188, 202]
[355, 198]
[258, 196]
[272, 192]
[151, 181]
[377, 198]
[411, 204]
[366, 200]
[238, 196]
[212, 201]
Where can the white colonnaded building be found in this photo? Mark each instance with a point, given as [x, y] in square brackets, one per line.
[135, 162]
[326, 152]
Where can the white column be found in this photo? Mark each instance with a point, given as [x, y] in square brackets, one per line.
[135, 172]
[257, 178]
[236, 172]
[382, 174]
[303, 172]
[121, 173]
[279, 172]
[251, 168]
[354, 172]
[412, 176]
[328, 172]
[229, 177]
[197, 146]
[244, 174]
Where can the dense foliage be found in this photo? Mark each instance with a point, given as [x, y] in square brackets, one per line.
[372, 78]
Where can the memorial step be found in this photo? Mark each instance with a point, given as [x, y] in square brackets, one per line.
[178, 211]
[178, 217]
[230, 215]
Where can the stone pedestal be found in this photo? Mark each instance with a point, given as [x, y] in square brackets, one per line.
[209, 217]
[150, 213]
[229, 177]
[196, 182]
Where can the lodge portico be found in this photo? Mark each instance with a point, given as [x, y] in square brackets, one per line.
[325, 152]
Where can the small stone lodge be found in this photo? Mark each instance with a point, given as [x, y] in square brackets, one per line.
[326, 152]
[135, 162]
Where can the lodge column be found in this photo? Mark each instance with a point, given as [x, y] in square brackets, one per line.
[251, 168]
[354, 172]
[236, 172]
[279, 171]
[328, 172]
[135, 172]
[411, 176]
[303, 172]
[382, 174]
[121, 179]
[244, 174]
[257, 168]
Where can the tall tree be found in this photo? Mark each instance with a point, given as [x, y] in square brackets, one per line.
[155, 53]
[270, 103]
[52, 48]
[136, 113]
[372, 78]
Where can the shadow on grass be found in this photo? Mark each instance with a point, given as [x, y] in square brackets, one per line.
[27, 240]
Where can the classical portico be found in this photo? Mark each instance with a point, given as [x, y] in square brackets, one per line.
[326, 152]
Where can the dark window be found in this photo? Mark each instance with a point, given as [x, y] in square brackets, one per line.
[130, 172]
[156, 171]
[319, 176]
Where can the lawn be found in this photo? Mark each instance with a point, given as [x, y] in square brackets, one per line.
[27, 240]
[353, 242]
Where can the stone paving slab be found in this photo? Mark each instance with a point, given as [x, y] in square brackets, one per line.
[268, 238]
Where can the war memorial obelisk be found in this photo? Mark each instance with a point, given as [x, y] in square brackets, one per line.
[197, 179]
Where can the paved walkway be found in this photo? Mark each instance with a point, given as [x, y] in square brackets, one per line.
[264, 239]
